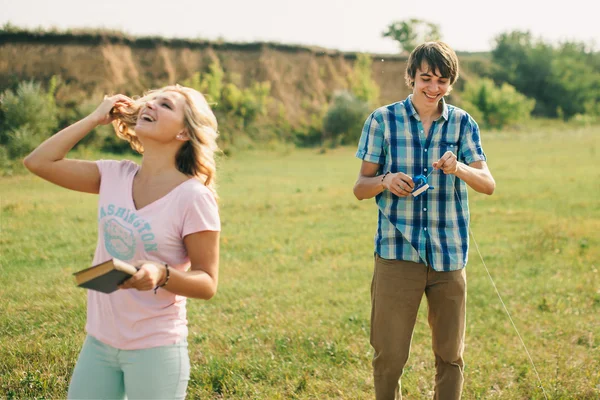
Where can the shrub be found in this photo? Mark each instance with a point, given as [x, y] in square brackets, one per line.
[210, 84]
[5, 162]
[495, 107]
[29, 115]
[236, 109]
[362, 84]
[561, 76]
[344, 119]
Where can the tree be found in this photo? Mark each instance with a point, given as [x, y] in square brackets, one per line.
[564, 79]
[410, 33]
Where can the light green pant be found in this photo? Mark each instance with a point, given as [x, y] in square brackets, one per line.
[104, 372]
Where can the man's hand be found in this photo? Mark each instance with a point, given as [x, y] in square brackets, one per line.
[149, 275]
[447, 163]
[399, 183]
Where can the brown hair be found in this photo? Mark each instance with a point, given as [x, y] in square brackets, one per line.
[438, 56]
[196, 157]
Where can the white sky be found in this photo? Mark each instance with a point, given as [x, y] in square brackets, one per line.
[348, 25]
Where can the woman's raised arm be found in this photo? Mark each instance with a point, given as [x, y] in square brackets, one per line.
[47, 160]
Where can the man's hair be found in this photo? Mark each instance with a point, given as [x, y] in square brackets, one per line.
[438, 56]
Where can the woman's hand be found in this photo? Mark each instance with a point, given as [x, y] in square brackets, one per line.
[48, 160]
[150, 274]
[102, 115]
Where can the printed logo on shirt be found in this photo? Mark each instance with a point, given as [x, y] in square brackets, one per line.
[119, 232]
[119, 241]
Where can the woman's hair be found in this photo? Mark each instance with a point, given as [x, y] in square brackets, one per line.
[196, 157]
[438, 56]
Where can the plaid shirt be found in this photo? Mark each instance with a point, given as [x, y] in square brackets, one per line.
[433, 227]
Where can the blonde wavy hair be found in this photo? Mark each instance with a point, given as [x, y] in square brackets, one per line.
[196, 157]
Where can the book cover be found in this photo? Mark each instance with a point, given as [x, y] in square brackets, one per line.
[105, 277]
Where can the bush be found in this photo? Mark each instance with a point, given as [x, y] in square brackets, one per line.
[344, 119]
[29, 115]
[210, 84]
[495, 107]
[561, 78]
[5, 162]
[362, 84]
[236, 109]
[309, 133]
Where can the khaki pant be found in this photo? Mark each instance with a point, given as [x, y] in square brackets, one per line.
[396, 293]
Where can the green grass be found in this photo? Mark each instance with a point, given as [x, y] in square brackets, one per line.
[291, 318]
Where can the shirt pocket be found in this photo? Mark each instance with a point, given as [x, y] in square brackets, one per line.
[449, 145]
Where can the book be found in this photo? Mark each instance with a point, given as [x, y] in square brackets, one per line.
[106, 276]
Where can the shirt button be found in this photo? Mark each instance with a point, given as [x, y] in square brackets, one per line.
[425, 209]
[425, 150]
[425, 228]
[425, 169]
[421, 131]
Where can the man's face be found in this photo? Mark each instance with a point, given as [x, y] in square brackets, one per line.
[429, 87]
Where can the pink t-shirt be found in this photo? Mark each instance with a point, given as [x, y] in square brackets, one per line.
[131, 319]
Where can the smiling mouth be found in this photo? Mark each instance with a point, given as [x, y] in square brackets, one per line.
[147, 118]
[431, 97]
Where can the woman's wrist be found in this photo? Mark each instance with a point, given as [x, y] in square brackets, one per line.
[164, 279]
[93, 119]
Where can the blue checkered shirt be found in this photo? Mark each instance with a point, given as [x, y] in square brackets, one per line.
[431, 228]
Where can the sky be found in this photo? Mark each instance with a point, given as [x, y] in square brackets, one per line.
[347, 25]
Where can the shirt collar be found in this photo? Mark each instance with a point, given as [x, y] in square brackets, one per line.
[411, 110]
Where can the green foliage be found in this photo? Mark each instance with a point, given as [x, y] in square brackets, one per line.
[6, 163]
[210, 84]
[29, 115]
[493, 106]
[412, 32]
[8, 27]
[362, 84]
[344, 119]
[310, 132]
[246, 104]
[564, 80]
[239, 107]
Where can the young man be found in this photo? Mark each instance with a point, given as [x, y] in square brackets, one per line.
[421, 243]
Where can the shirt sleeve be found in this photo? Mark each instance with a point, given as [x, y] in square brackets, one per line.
[201, 213]
[371, 143]
[105, 166]
[118, 168]
[470, 149]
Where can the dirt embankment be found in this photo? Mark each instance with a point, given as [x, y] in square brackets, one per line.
[302, 78]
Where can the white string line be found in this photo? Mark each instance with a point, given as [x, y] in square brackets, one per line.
[502, 301]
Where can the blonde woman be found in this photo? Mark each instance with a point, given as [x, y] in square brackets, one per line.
[162, 217]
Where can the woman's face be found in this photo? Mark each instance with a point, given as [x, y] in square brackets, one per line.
[162, 117]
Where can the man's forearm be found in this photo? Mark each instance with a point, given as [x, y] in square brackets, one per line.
[478, 179]
[367, 187]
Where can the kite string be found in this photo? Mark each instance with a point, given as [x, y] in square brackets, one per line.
[502, 302]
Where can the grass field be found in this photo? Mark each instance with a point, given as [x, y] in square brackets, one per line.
[291, 318]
